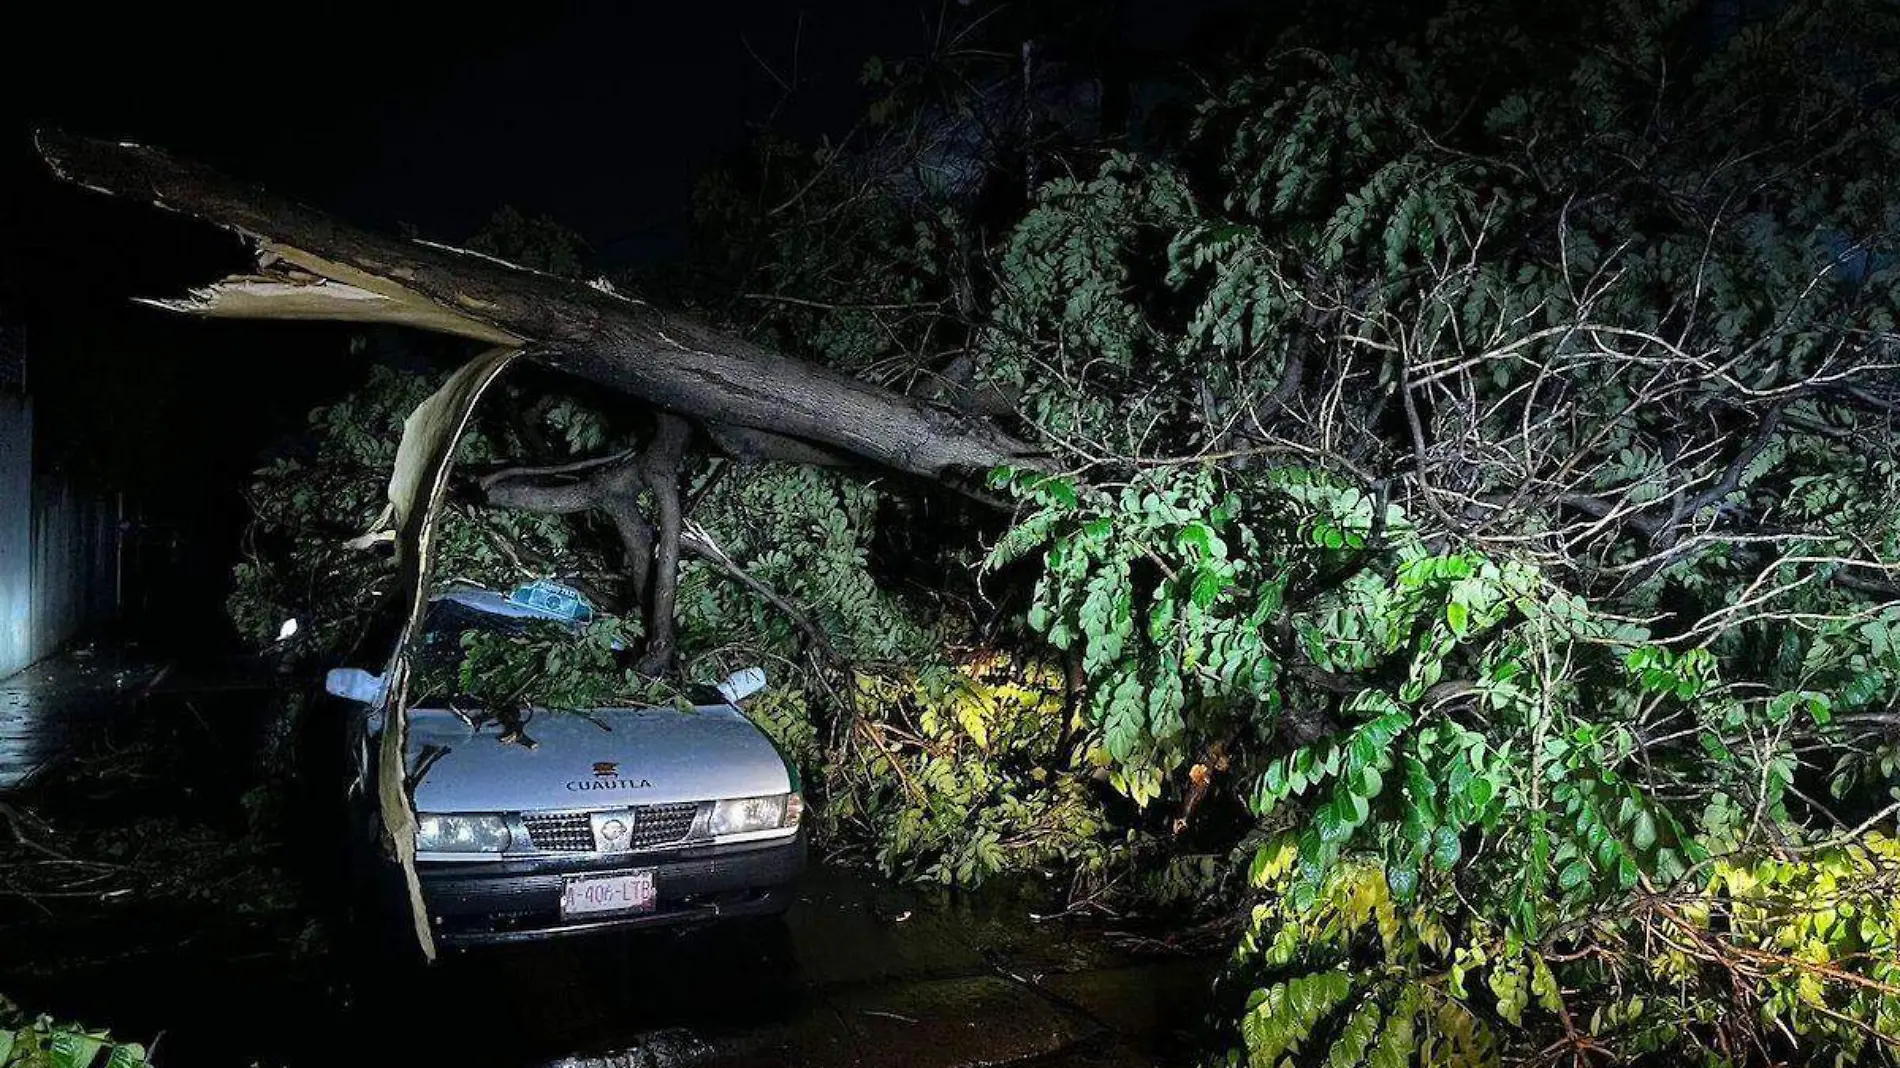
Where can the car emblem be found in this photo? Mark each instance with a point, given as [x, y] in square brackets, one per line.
[607, 777]
[613, 831]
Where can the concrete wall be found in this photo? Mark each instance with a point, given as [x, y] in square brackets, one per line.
[16, 533]
[75, 562]
[59, 548]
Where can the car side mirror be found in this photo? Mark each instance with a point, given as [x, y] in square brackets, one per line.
[354, 684]
[742, 684]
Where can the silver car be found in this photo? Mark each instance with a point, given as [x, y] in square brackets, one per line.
[615, 817]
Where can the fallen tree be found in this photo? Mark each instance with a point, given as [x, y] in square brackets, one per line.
[1482, 455]
[758, 403]
[754, 403]
[749, 402]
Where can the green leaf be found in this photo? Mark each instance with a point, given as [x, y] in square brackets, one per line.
[1402, 881]
[1334, 824]
[1863, 689]
[1446, 848]
[74, 1049]
[1370, 782]
[1574, 874]
[1208, 584]
[1479, 792]
[1057, 491]
[1195, 535]
[1458, 614]
[1643, 834]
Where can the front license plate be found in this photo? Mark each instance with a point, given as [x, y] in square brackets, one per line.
[623, 891]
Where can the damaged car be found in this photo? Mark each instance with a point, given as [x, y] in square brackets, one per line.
[605, 818]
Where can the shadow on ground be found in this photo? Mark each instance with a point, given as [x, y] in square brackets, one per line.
[146, 885]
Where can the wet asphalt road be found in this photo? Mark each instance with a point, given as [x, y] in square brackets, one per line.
[58, 705]
[181, 926]
[859, 973]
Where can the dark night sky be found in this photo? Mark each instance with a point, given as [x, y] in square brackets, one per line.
[600, 114]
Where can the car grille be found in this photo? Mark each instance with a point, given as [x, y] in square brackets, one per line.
[560, 832]
[570, 832]
[658, 825]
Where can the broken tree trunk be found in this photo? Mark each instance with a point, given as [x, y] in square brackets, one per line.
[314, 267]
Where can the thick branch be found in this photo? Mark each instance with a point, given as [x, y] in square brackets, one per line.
[665, 357]
[513, 489]
[636, 542]
[749, 444]
[660, 470]
[612, 485]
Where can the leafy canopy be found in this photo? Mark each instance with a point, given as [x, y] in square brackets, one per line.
[1484, 424]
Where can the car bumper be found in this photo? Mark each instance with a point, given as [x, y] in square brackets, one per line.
[520, 900]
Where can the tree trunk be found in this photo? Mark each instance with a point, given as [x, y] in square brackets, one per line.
[667, 358]
[660, 470]
[636, 543]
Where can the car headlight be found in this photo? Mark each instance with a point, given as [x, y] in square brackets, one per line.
[464, 833]
[743, 814]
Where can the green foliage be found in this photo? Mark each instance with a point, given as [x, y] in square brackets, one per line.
[1469, 448]
[1419, 1001]
[806, 532]
[969, 771]
[536, 242]
[829, 257]
[1495, 762]
[546, 666]
[42, 1043]
[308, 506]
[1355, 965]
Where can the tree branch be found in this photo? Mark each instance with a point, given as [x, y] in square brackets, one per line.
[659, 469]
[672, 360]
[696, 540]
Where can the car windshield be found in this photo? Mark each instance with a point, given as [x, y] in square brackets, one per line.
[451, 626]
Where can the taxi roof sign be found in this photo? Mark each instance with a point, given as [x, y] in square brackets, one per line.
[552, 599]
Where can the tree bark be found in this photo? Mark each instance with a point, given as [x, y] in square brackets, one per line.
[636, 542]
[665, 357]
[660, 470]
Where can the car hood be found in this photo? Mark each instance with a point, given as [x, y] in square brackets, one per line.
[606, 758]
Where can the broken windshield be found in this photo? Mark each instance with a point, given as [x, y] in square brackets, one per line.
[464, 653]
[483, 653]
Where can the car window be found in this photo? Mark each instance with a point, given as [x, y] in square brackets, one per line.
[446, 631]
